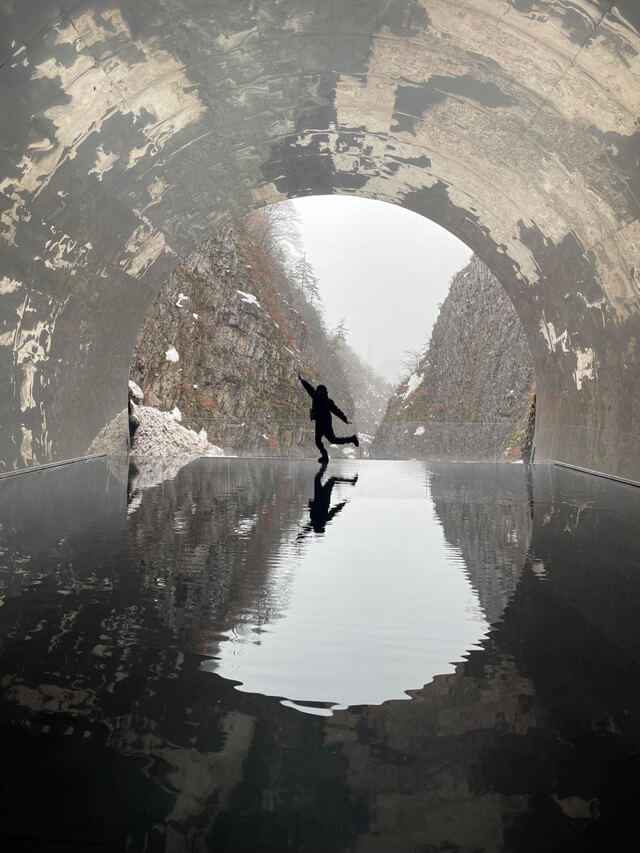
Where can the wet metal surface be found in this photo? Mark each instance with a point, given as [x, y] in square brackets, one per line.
[133, 129]
[175, 661]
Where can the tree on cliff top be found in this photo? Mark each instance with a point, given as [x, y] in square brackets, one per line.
[276, 230]
[306, 279]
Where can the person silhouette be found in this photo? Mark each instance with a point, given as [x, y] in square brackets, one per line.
[320, 513]
[322, 408]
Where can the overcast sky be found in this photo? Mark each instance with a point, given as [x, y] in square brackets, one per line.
[382, 268]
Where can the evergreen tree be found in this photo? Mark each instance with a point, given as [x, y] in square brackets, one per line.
[340, 333]
[313, 290]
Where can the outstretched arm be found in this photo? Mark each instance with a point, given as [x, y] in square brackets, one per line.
[351, 480]
[338, 412]
[308, 387]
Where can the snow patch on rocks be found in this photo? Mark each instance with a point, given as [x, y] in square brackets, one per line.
[135, 392]
[248, 297]
[172, 354]
[412, 383]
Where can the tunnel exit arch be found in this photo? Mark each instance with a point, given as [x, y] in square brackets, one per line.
[133, 129]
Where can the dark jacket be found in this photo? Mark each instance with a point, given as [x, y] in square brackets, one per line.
[322, 407]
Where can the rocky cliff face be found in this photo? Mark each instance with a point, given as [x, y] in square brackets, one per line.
[469, 394]
[370, 393]
[224, 342]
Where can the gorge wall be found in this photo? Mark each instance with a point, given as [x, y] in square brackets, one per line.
[469, 393]
[225, 339]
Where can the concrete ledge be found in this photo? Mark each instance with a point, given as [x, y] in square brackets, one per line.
[613, 477]
[48, 465]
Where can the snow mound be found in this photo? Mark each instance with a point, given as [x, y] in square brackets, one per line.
[160, 448]
[160, 436]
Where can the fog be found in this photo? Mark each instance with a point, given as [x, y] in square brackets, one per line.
[384, 269]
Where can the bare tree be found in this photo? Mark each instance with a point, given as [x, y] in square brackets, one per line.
[306, 279]
[277, 229]
[411, 359]
[285, 227]
[258, 225]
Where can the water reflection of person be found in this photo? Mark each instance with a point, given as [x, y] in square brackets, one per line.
[320, 513]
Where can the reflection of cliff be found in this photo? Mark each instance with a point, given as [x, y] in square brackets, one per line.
[113, 735]
[485, 512]
[206, 542]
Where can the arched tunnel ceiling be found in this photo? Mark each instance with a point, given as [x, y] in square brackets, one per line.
[132, 128]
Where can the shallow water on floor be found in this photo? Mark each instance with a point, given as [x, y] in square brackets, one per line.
[256, 655]
[366, 598]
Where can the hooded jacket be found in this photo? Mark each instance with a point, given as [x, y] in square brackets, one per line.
[322, 406]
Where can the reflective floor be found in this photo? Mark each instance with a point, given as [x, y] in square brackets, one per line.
[255, 657]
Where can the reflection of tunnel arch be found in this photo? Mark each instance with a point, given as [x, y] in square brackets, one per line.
[510, 751]
[132, 133]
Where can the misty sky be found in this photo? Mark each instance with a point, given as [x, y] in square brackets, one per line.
[382, 268]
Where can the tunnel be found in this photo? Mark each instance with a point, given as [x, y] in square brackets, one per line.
[132, 129]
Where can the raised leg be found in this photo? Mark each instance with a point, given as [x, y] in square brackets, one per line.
[334, 439]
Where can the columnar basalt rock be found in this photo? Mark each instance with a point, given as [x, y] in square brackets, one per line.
[132, 130]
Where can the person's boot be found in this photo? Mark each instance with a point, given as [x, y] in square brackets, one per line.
[355, 440]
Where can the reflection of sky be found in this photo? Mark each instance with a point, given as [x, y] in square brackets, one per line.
[378, 605]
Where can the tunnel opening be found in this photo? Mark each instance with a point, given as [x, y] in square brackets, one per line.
[435, 656]
[337, 290]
